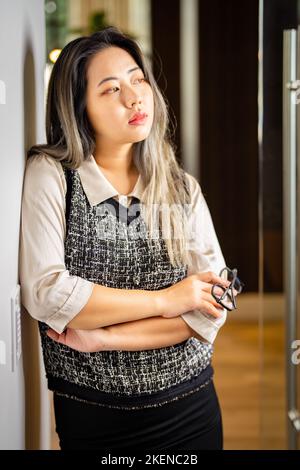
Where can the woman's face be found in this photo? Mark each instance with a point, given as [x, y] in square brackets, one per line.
[115, 94]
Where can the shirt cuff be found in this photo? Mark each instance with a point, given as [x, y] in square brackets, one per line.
[202, 325]
[75, 302]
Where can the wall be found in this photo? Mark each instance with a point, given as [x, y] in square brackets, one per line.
[131, 16]
[23, 413]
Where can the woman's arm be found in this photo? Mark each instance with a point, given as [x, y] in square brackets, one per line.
[149, 333]
[109, 306]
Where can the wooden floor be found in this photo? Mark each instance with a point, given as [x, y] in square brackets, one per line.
[249, 378]
[236, 365]
[250, 390]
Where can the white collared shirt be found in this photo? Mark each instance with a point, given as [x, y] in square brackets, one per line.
[49, 293]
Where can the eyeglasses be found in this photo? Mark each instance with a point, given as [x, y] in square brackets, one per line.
[227, 298]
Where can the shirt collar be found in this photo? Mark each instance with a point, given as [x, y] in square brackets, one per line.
[97, 187]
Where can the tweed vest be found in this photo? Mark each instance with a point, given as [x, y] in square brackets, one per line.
[109, 244]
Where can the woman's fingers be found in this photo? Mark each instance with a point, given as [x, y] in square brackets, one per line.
[210, 309]
[52, 334]
[60, 338]
[209, 298]
[218, 290]
[212, 278]
[207, 288]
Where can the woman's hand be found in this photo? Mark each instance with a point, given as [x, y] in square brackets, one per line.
[193, 292]
[82, 340]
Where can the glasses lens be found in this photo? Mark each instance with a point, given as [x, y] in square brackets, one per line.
[229, 275]
[224, 273]
[238, 285]
[224, 300]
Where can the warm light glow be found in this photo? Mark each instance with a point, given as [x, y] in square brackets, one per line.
[53, 55]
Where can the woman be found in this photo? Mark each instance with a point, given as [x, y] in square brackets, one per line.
[125, 312]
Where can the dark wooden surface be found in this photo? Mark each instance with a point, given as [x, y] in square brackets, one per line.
[228, 128]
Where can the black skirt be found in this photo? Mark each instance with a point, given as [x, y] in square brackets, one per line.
[192, 422]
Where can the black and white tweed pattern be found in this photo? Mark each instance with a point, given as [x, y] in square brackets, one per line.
[103, 246]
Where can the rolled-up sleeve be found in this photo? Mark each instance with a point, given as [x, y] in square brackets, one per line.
[48, 291]
[206, 255]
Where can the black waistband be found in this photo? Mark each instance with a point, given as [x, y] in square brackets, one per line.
[57, 384]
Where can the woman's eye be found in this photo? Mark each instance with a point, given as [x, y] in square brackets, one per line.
[141, 79]
[109, 89]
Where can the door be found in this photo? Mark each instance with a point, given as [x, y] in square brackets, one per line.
[279, 245]
[291, 198]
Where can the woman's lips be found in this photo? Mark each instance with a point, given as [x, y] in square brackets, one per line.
[139, 121]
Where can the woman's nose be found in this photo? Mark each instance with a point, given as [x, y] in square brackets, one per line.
[132, 98]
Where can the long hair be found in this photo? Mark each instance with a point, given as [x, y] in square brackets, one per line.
[70, 137]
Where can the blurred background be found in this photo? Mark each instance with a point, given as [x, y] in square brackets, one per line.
[229, 72]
